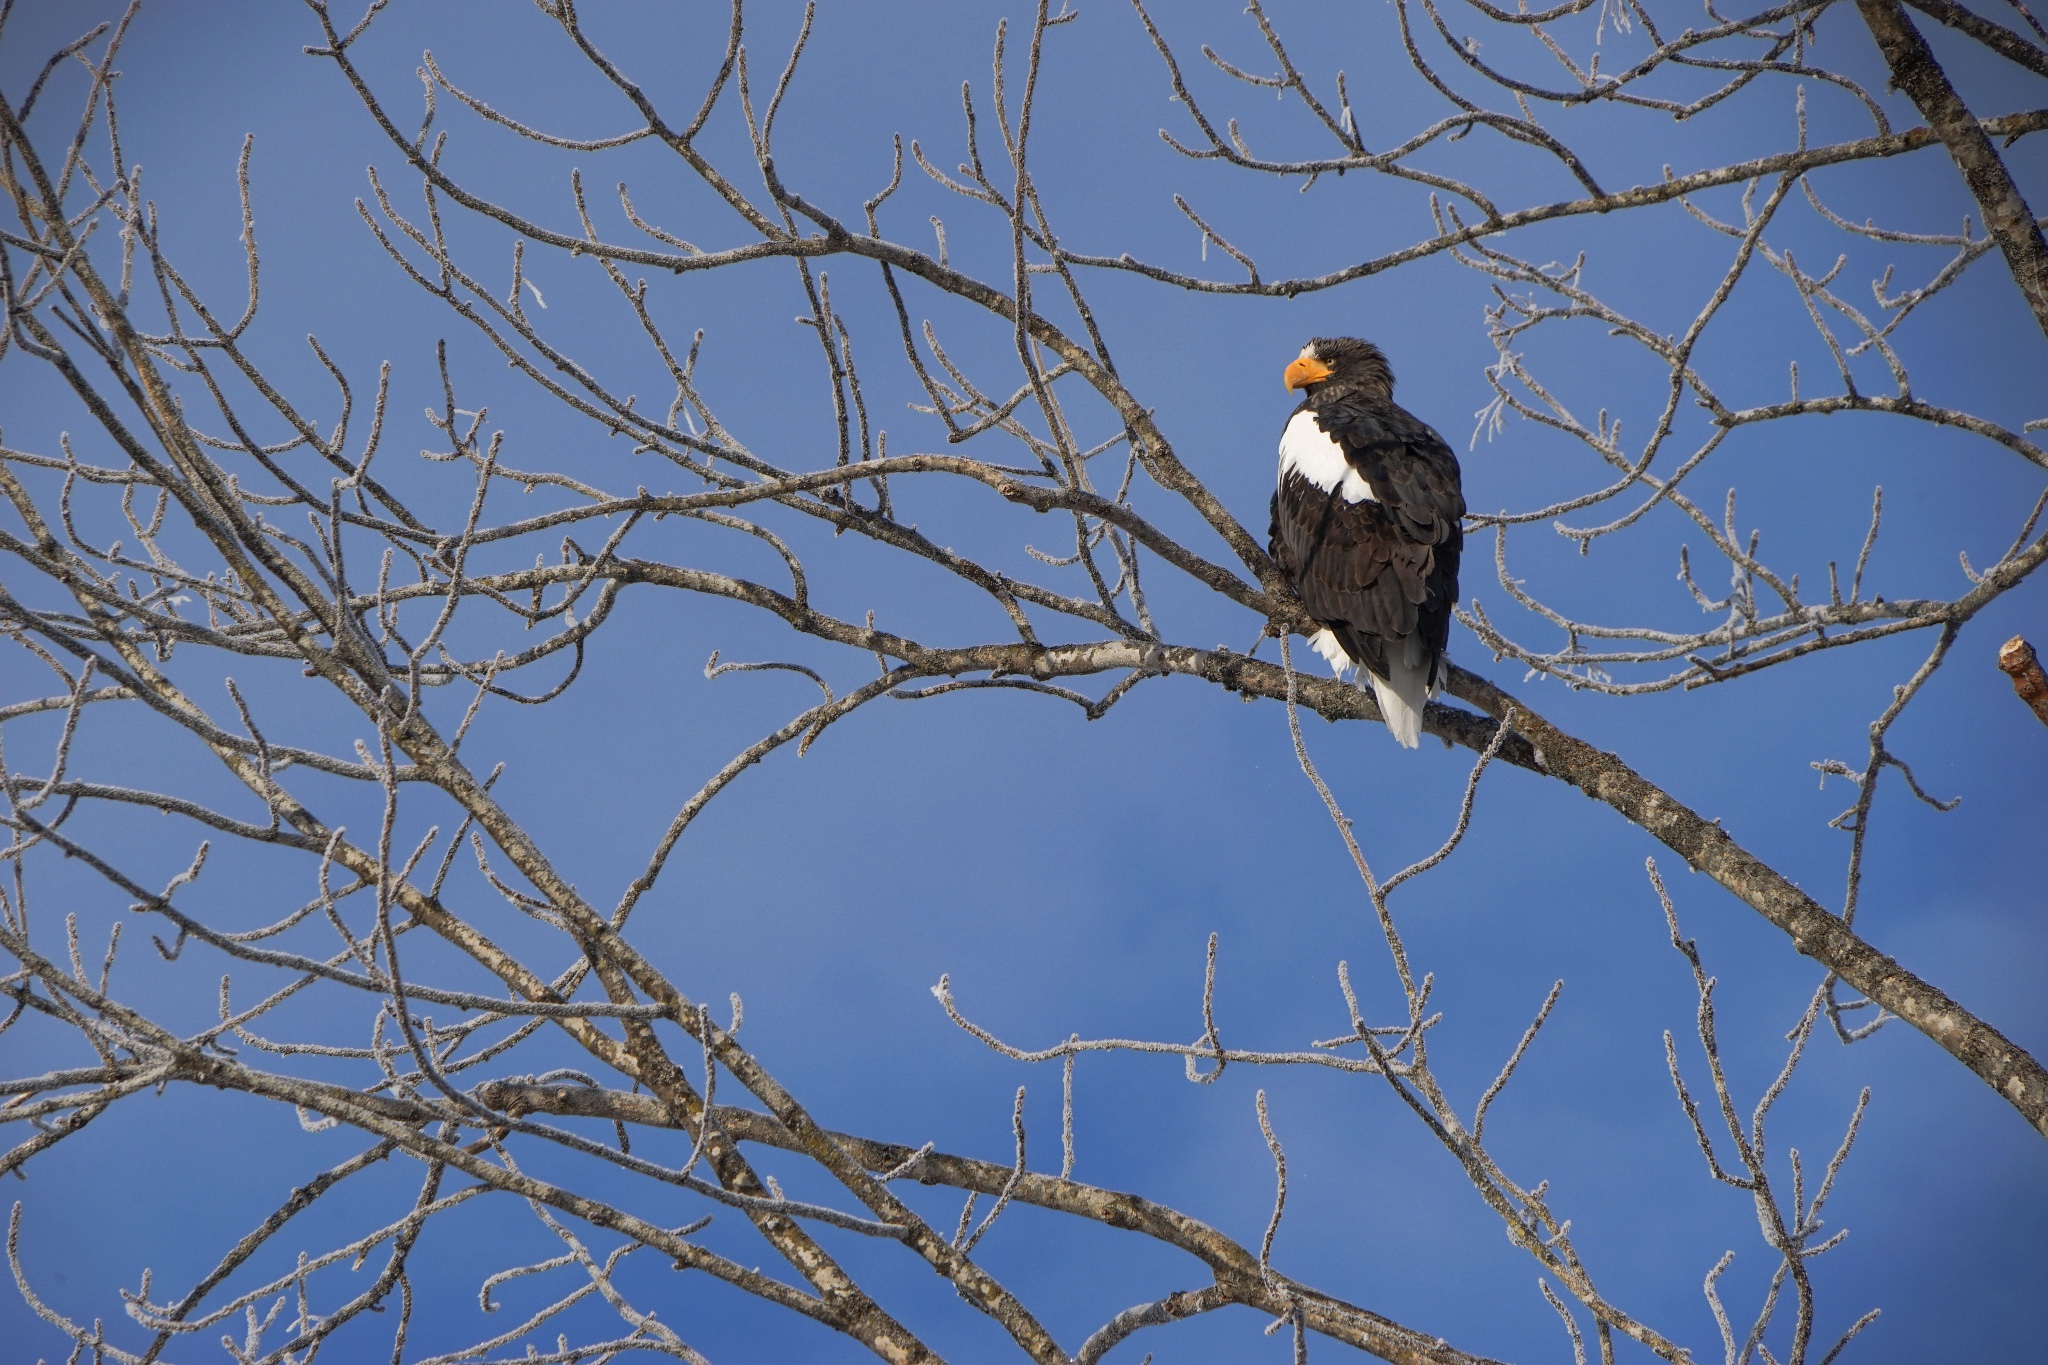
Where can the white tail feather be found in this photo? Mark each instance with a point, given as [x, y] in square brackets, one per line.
[1402, 699]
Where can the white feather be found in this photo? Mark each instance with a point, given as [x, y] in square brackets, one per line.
[1307, 450]
[1325, 644]
[1402, 698]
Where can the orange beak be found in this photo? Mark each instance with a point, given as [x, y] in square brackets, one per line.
[1306, 371]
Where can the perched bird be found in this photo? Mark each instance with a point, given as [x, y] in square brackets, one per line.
[1366, 525]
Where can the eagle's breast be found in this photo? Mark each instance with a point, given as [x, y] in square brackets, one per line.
[1306, 449]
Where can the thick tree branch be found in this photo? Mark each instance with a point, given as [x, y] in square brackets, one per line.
[1237, 1270]
[2017, 658]
[1997, 37]
[2002, 1064]
[2006, 214]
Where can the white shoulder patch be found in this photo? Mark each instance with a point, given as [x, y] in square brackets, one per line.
[1308, 451]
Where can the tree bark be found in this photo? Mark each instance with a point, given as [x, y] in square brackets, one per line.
[1819, 934]
[1239, 1276]
[2006, 215]
[1997, 37]
[2018, 658]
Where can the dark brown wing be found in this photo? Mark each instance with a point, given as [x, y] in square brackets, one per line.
[1378, 574]
[1411, 470]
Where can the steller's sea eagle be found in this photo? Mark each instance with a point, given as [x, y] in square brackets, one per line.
[1366, 525]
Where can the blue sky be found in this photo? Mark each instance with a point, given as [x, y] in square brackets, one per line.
[1067, 874]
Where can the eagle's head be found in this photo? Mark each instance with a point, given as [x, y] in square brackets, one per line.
[1341, 367]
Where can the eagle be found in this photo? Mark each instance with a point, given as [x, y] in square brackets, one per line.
[1367, 527]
